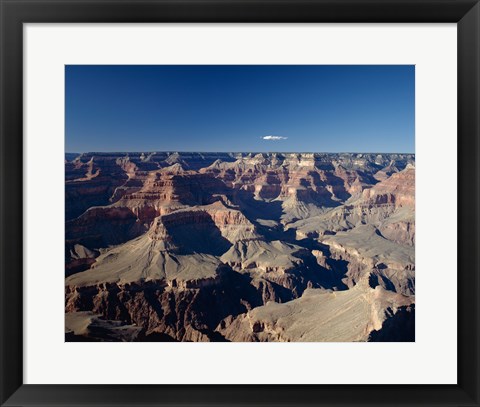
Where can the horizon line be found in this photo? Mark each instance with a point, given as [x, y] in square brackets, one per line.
[236, 152]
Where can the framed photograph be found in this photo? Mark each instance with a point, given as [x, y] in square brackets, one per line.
[240, 202]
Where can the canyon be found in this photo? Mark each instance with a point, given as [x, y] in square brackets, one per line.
[242, 247]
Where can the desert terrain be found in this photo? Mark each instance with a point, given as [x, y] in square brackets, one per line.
[168, 246]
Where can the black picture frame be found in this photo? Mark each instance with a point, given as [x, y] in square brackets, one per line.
[14, 13]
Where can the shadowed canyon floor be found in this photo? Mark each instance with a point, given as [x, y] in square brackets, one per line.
[239, 247]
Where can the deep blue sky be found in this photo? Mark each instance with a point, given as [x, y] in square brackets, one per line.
[315, 108]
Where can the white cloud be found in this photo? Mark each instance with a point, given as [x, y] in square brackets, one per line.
[274, 138]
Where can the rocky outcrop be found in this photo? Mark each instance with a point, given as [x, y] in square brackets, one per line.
[343, 316]
[188, 312]
[398, 189]
[90, 181]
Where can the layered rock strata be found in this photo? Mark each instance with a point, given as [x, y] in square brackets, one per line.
[240, 246]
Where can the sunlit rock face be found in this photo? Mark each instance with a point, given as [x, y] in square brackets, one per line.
[168, 246]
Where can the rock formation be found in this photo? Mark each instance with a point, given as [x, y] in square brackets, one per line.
[168, 246]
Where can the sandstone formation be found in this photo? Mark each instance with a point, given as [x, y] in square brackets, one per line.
[239, 247]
